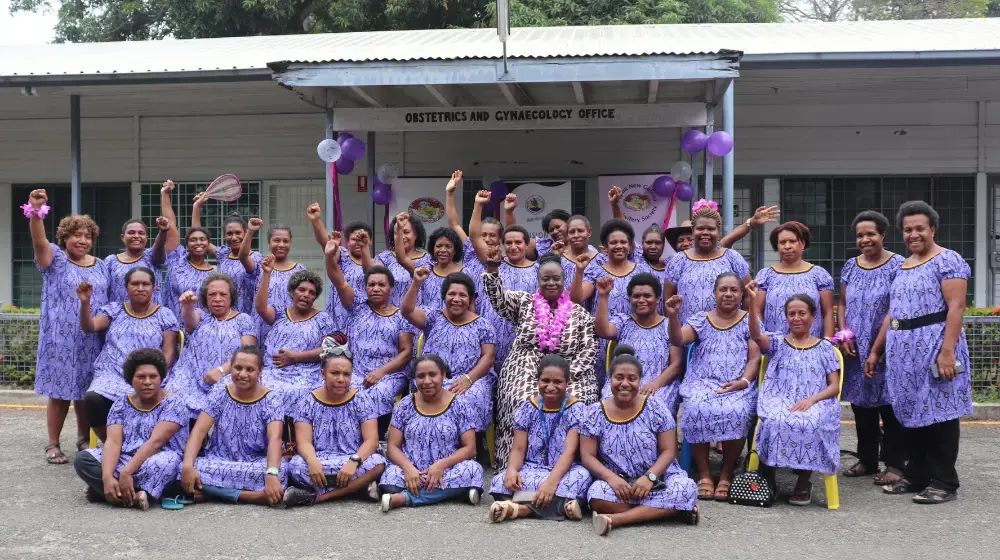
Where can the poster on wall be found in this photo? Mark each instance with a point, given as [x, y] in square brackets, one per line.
[641, 206]
[423, 198]
[535, 199]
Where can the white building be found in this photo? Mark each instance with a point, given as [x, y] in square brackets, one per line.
[830, 119]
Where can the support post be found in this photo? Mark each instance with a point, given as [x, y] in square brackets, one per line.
[74, 152]
[328, 214]
[372, 172]
[728, 172]
[709, 171]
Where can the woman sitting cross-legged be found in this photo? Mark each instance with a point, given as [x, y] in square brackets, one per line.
[432, 445]
[629, 444]
[543, 478]
[336, 432]
[146, 434]
[798, 409]
[242, 462]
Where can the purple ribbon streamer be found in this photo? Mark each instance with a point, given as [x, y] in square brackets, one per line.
[337, 225]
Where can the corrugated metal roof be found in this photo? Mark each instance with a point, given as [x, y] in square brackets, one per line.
[253, 54]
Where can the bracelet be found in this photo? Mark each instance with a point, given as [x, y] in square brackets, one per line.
[747, 381]
[748, 223]
[469, 379]
[40, 212]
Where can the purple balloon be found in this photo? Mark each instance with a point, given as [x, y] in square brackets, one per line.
[720, 143]
[664, 186]
[343, 136]
[344, 166]
[381, 194]
[353, 148]
[685, 192]
[694, 141]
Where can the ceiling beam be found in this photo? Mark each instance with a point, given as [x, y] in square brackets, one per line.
[654, 90]
[581, 98]
[367, 97]
[515, 94]
[445, 95]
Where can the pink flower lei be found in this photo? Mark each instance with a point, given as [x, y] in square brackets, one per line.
[551, 324]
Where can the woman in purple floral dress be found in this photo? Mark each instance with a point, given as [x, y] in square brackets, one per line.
[336, 435]
[279, 242]
[242, 462]
[127, 326]
[432, 445]
[147, 430]
[65, 364]
[864, 301]
[215, 330]
[720, 396]
[798, 408]
[542, 462]
[239, 262]
[928, 372]
[187, 268]
[414, 237]
[136, 254]
[629, 445]
[358, 236]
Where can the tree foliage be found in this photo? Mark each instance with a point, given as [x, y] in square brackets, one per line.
[850, 10]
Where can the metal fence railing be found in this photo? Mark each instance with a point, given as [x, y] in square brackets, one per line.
[19, 344]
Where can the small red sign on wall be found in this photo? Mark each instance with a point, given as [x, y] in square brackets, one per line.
[362, 183]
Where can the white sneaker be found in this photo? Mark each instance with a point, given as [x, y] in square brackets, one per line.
[474, 496]
[386, 503]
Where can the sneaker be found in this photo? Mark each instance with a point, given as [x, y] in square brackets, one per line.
[386, 504]
[474, 496]
[373, 491]
[801, 497]
[298, 497]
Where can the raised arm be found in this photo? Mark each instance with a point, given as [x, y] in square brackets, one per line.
[167, 209]
[615, 198]
[315, 217]
[199, 200]
[602, 324]
[762, 340]
[680, 335]
[761, 216]
[246, 246]
[581, 290]
[476, 225]
[189, 311]
[404, 260]
[408, 306]
[160, 243]
[89, 324]
[41, 245]
[506, 303]
[510, 219]
[450, 210]
[367, 262]
[331, 254]
[264, 309]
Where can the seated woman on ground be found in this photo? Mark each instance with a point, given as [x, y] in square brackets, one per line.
[646, 484]
[146, 434]
[336, 435]
[242, 462]
[432, 445]
[543, 478]
[798, 409]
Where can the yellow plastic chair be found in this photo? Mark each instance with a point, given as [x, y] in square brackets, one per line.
[829, 480]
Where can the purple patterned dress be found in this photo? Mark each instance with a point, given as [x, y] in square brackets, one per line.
[652, 349]
[296, 336]
[428, 439]
[430, 290]
[117, 269]
[374, 341]
[182, 276]
[782, 285]
[695, 279]
[355, 276]
[65, 363]
[543, 246]
[336, 430]
[537, 466]
[520, 278]
[630, 449]
[401, 277]
[137, 424]
[236, 455]
[807, 440]
[867, 303]
[917, 398]
[211, 345]
[127, 332]
[719, 356]
[475, 270]
[277, 296]
[618, 304]
[246, 282]
[461, 346]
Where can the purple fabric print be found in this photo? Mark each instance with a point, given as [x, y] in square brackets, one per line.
[399, 274]
[246, 282]
[236, 454]
[336, 436]
[126, 333]
[117, 269]
[475, 270]
[374, 341]
[137, 424]
[355, 276]
[652, 349]
[867, 303]
[277, 295]
[719, 356]
[182, 276]
[630, 449]
[807, 440]
[543, 246]
[618, 303]
[917, 398]
[523, 279]
[781, 285]
[430, 290]
[537, 466]
[295, 336]
[460, 346]
[430, 438]
[211, 345]
[65, 363]
[695, 279]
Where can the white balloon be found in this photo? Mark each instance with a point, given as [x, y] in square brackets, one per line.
[328, 150]
[681, 171]
[388, 173]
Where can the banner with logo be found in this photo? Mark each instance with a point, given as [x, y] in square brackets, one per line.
[423, 198]
[639, 203]
[535, 199]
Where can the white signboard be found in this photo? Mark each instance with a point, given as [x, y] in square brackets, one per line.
[641, 206]
[535, 199]
[659, 115]
[424, 199]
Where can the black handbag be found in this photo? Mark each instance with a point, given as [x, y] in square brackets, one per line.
[752, 489]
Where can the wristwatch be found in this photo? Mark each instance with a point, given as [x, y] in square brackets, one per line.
[748, 223]
[652, 477]
[356, 458]
[273, 471]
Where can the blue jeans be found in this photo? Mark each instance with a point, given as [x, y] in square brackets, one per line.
[425, 497]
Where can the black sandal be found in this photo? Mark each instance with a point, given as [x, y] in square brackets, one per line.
[880, 479]
[82, 443]
[57, 458]
[935, 496]
[901, 486]
[856, 470]
[691, 517]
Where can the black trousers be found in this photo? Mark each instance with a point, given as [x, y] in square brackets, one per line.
[866, 421]
[933, 452]
[97, 408]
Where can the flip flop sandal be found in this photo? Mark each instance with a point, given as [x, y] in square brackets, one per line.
[935, 496]
[706, 490]
[692, 517]
[602, 524]
[572, 510]
[880, 479]
[801, 496]
[722, 491]
[901, 486]
[855, 471]
[503, 510]
[82, 443]
[171, 503]
[57, 458]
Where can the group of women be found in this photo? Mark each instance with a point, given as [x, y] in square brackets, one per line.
[585, 360]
